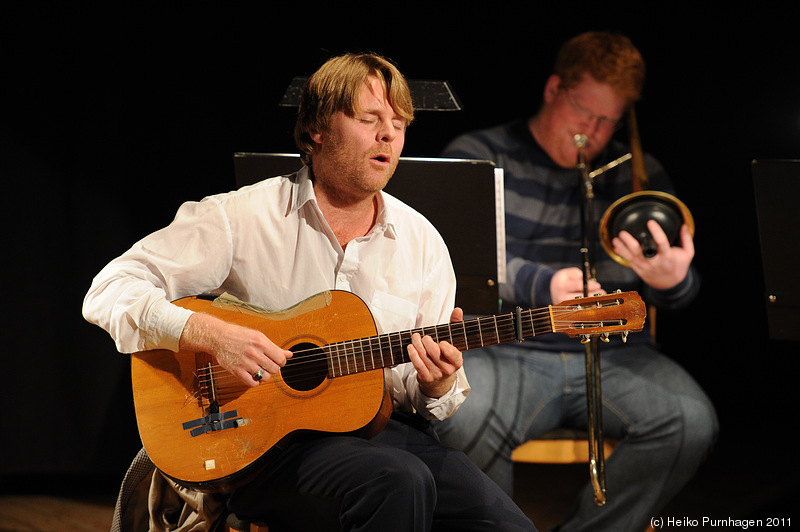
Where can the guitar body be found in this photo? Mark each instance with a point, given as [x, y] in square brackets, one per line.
[209, 431]
[230, 427]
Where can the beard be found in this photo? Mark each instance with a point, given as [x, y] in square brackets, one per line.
[353, 173]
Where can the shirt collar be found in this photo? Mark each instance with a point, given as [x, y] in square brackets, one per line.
[303, 189]
[304, 193]
[385, 221]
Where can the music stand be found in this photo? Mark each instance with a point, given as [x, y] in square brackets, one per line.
[777, 187]
[463, 199]
[428, 95]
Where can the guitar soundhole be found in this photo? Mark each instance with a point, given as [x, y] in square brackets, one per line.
[307, 368]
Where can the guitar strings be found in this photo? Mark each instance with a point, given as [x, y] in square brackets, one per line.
[397, 341]
[229, 387]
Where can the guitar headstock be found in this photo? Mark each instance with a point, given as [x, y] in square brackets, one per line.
[602, 315]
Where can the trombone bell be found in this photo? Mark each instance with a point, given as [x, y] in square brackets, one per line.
[631, 213]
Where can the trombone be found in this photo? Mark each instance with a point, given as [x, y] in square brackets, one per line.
[592, 355]
[629, 213]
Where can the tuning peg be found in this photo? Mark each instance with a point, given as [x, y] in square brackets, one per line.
[585, 339]
[604, 337]
[624, 336]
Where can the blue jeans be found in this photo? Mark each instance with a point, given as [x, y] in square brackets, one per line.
[665, 423]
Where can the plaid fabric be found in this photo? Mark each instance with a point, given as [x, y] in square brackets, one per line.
[135, 485]
[150, 502]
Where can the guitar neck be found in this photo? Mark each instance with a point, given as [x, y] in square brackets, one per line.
[366, 354]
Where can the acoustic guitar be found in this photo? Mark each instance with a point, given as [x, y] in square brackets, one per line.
[204, 428]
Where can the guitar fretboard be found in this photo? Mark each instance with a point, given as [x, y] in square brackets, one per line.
[366, 354]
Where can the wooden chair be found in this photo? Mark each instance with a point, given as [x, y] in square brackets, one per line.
[561, 446]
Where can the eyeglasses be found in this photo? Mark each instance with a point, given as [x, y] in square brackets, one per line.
[603, 122]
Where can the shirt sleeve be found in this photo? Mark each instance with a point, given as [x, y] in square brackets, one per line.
[131, 297]
[437, 305]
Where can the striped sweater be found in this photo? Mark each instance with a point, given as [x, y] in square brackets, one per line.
[543, 204]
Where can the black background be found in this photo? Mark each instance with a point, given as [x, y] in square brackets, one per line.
[111, 119]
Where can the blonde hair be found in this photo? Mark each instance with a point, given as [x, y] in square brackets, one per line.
[336, 87]
[609, 58]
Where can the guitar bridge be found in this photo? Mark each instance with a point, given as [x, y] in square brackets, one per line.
[214, 422]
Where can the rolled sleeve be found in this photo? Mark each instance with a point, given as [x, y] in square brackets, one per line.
[446, 405]
[408, 396]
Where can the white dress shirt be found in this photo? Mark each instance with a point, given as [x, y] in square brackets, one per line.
[268, 244]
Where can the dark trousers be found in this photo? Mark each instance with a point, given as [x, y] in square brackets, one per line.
[403, 479]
